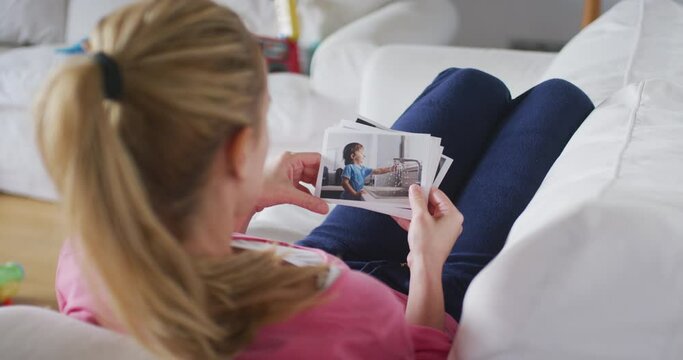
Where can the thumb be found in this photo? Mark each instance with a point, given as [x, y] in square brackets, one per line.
[307, 201]
[418, 203]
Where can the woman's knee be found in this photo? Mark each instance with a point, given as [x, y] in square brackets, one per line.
[559, 105]
[469, 85]
[473, 80]
[465, 74]
[565, 92]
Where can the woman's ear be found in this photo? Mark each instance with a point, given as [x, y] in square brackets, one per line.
[237, 150]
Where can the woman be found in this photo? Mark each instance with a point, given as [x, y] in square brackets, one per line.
[156, 141]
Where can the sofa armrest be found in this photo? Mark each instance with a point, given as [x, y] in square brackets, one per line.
[337, 66]
[30, 332]
[395, 75]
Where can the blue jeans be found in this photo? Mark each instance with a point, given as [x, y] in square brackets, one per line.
[502, 149]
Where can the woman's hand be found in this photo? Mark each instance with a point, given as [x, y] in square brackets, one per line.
[281, 186]
[281, 182]
[435, 225]
[432, 232]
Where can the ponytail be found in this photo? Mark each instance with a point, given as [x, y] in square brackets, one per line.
[125, 207]
[109, 209]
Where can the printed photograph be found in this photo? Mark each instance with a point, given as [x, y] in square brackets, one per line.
[371, 167]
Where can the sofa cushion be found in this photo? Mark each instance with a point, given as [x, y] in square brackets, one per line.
[30, 332]
[258, 15]
[320, 18]
[21, 168]
[396, 74]
[22, 71]
[592, 268]
[635, 40]
[338, 65]
[27, 22]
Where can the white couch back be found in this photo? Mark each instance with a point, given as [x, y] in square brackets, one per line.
[30, 332]
[592, 268]
[634, 41]
[258, 15]
[32, 21]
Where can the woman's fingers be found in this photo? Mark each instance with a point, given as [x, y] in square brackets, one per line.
[417, 201]
[403, 223]
[307, 158]
[303, 189]
[442, 205]
[285, 179]
[304, 165]
[437, 204]
[307, 201]
[309, 175]
[445, 210]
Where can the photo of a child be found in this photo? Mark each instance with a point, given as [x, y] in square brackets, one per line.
[354, 174]
[372, 168]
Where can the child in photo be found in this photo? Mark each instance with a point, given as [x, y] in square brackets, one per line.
[354, 174]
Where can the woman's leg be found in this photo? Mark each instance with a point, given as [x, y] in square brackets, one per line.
[532, 136]
[461, 106]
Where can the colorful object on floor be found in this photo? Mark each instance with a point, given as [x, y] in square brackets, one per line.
[11, 276]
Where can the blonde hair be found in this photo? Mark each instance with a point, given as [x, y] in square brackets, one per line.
[131, 172]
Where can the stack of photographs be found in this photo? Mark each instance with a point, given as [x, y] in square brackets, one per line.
[369, 166]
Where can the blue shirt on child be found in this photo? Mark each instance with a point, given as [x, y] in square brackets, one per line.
[356, 175]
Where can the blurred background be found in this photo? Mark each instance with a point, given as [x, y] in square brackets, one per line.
[544, 25]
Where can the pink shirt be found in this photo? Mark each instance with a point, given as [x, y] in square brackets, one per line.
[361, 319]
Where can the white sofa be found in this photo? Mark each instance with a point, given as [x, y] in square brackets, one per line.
[350, 30]
[593, 268]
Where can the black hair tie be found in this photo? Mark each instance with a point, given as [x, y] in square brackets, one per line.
[113, 84]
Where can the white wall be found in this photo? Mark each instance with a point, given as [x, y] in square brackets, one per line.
[496, 23]
[388, 148]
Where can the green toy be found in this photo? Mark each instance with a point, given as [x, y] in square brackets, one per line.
[11, 275]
